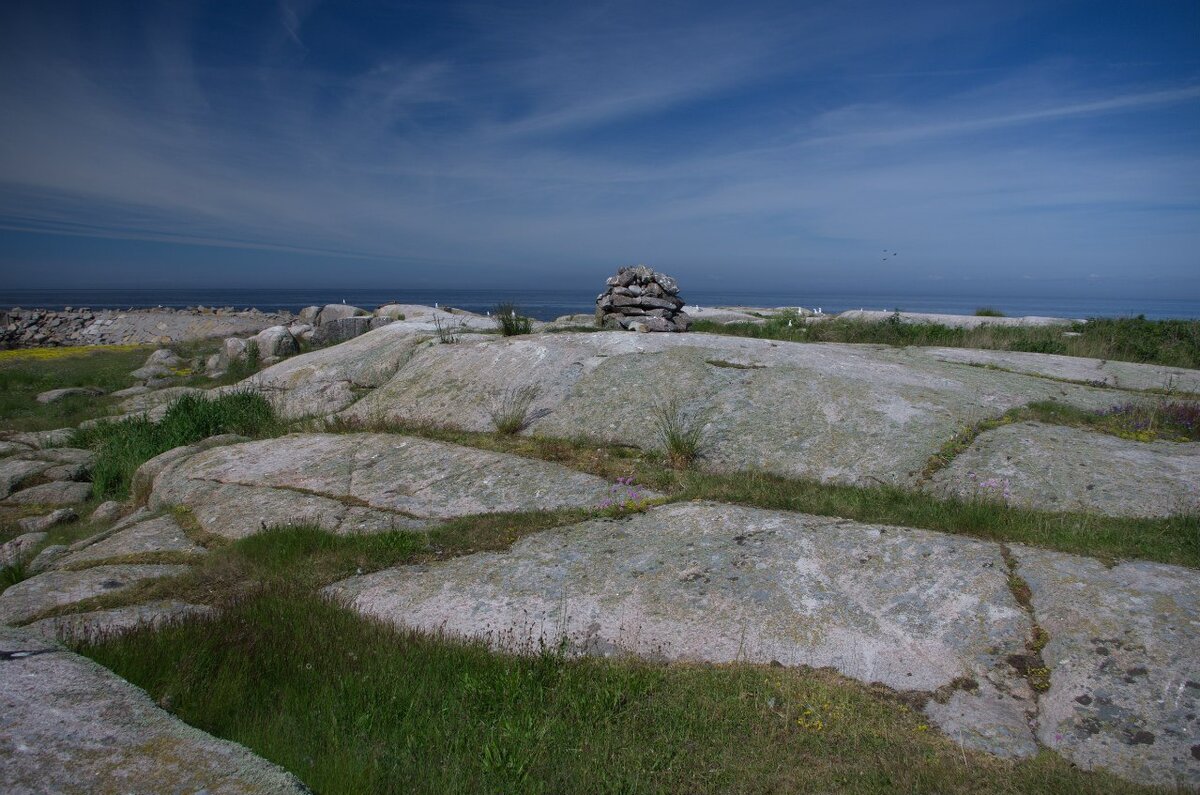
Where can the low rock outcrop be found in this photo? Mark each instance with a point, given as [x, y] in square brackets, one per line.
[641, 299]
[33, 328]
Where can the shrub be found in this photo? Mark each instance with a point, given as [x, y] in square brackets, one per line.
[988, 311]
[509, 410]
[511, 321]
[247, 364]
[123, 446]
[680, 433]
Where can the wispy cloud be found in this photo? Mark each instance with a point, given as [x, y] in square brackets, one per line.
[771, 138]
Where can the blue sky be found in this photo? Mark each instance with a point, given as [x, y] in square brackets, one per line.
[997, 147]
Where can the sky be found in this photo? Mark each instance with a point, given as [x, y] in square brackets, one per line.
[1000, 148]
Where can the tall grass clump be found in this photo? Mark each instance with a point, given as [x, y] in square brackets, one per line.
[245, 365]
[681, 434]
[988, 311]
[446, 334]
[511, 321]
[509, 409]
[123, 446]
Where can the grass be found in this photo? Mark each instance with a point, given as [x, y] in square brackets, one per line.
[988, 311]
[1174, 343]
[509, 410]
[124, 445]
[511, 321]
[27, 372]
[681, 435]
[351, 705]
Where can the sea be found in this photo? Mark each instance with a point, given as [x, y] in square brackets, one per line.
[549, 304]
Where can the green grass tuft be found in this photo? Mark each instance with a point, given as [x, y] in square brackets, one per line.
[511, 321]
[988, 311]
[681, 435]
[124, 445]
[509, 410]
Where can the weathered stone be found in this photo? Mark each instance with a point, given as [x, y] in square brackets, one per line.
[1125, 375]
[15, 470]
[638, 292]
[43, 439]
[914, 610]
[309, 315]
[338, 330]
[20, 549]
[334, 312]
[39, 524]
[131, 391]
[161, 534]
[58, 493]
[836, 413]
[151, 372]
[70, 726]
[1056, 468]
[55, 395]
[49, 589]
[276, 341]
[142, 481]
[107, 511]
[66, 472]
[45, 559]
[104, 624]
[1124, 660]
[360, 483]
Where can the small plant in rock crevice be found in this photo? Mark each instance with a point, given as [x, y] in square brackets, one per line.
[682, 435]
[509, 410]
[446, 334]
[625, 496]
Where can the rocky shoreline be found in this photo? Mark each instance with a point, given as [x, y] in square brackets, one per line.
[44, 328]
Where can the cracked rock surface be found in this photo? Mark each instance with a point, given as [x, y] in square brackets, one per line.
[915, 610]
[831, 412]
[1124, 655]
[361, 482]
[1055, 468]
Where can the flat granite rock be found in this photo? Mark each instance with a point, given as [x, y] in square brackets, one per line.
[914, 610]
[1123, 375]
[103, 624]
[62, 492]
[161, 534]
[67, 725]
[833, 412]
[50, 589]
[362, 482]
[1056, 468]
[1124, 657]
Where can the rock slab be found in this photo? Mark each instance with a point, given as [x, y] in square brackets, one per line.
[915, 610]
[51, 589]
[361, 482]
[67, 725]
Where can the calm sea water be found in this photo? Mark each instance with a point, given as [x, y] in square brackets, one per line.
[549, 304]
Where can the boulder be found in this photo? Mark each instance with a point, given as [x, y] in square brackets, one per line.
[107, 512]
[333, 312]
[39, 524]
[309, 314]
[276, 341]
[20, 549]
[81, 627]
[164, 357]
[55, 395]
[45, 559]
[161, 534]
[14, 470]
[57, 493]
[339, 330]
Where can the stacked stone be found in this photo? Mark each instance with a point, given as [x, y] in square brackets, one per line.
[641, 299]
[27, 328]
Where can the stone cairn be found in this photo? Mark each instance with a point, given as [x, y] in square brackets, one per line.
[641, 299]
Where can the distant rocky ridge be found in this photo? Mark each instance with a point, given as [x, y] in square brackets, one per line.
[41, 328]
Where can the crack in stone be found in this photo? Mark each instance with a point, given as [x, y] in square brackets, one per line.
[346, 500]
[21, 654]
[1031, 665]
